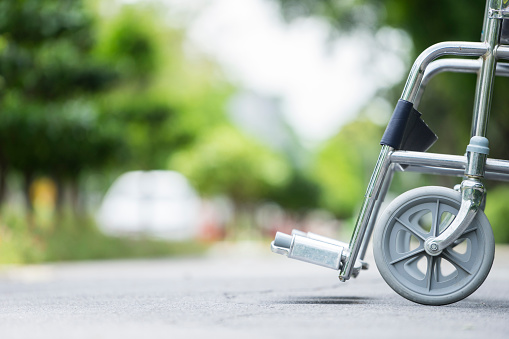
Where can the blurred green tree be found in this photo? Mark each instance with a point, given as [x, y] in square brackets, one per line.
[496, 211]
[300, 193]
[169, 93]
[47, 74]
[343, 166]
[224, 161]
[87, 91]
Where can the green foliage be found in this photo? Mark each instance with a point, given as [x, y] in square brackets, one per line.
[49, 121]
[340, 15]
[133, 39]
[45, 53]
[300, 193]
[32, 21]
[426, 21]
[226, 162]
[167, 97]
[497, 211]
[53, 138]
[344, 164]
[93, 91]
[90, 91]
[76, 238]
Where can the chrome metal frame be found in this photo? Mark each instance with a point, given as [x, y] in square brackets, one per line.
[498, 9]
[445, 164]
[473, 167]
[455, 66]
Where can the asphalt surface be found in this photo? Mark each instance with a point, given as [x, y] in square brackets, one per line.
[235, 292]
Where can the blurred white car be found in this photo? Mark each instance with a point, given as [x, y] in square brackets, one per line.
[158, 204]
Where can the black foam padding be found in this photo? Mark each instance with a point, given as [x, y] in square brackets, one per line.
[407, 131]
[393, 135]
[418, 136]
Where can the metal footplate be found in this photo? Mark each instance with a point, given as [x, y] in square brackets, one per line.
[315, 249]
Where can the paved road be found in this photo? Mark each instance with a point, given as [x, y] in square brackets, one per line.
[236, 292]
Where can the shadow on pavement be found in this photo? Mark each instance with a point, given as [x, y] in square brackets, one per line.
[327, 300]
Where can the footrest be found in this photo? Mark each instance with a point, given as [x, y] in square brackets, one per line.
[314, 249]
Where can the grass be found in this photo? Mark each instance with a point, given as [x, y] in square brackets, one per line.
[26, 240]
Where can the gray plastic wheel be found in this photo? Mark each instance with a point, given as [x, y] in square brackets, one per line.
[398, 245]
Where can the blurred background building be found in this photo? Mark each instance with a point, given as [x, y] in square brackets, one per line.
[156, 127]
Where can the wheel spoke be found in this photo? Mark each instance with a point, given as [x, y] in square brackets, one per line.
[469, 230]
[407, 255]
[410, 229]
[456, 263]
[436, 223]
[438, 264]
[399, 247]
[429, 272]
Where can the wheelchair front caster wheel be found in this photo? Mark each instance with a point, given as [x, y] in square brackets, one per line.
[398, 245]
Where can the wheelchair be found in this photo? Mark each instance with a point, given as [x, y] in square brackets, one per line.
[432, 245]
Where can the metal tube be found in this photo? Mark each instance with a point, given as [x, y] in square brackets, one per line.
[497, 166]
[456, 66]
[375, 183]
[374, 215]
[494, 167]
[484, 88]
[319, 237]
[454, 172]
[472, 195]
[313, 251]
[502, 69]
[485, 20]
[428, 159]
[445, 65]
[498, 9]
[502, 52]
[460, 48]
[472, 189]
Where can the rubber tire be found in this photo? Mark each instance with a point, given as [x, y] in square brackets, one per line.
[405, 291]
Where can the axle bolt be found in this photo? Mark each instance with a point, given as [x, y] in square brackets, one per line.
[433, 247]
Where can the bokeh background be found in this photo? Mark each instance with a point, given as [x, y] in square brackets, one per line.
[152, 128]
